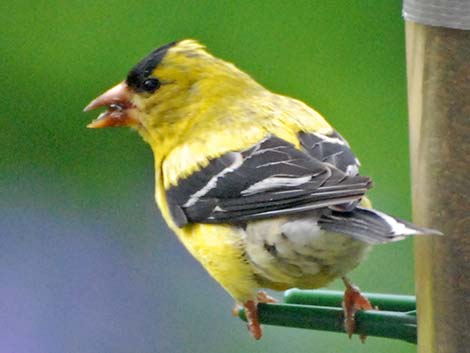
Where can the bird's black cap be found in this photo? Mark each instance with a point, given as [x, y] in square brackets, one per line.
[144, 68]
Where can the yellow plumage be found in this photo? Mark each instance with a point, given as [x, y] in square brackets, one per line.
[226, 100]
[257, 186]
[188, 129]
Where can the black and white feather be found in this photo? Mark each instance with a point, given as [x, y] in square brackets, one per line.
[332, 149]
[369, 225]
[269, 179]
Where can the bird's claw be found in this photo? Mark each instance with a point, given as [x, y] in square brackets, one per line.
[251, 312]
[354, 301]
[236, 309]
[263, 297]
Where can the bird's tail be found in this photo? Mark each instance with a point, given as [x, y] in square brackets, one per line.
[371, 226]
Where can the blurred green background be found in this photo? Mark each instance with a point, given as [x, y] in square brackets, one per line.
[86, 262]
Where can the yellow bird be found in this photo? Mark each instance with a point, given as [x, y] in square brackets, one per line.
[259, 188]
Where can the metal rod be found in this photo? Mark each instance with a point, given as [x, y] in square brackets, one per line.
[384, 302]
[369, 323]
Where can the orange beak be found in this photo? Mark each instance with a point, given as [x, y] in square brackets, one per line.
[119, 112]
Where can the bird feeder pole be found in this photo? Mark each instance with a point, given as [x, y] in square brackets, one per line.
[438, 64]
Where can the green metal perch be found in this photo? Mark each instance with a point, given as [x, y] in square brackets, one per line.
[321, 310]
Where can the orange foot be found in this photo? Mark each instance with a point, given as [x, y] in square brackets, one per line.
[251, 312]
[236, 309]
[352, 302]
[263, 297]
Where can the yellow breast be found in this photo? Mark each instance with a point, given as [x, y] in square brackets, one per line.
[221, 249]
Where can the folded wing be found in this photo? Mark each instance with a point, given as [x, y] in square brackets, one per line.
[269, 179]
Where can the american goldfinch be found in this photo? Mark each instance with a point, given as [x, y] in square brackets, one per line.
[259, 188]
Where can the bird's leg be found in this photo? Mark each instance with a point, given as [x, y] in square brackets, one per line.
[352, 302]
[251, 312]
[263, 297]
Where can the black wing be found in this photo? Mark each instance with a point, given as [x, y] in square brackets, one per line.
[269, 179]
[332, 149]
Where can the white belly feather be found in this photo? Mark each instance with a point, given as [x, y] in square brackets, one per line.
[288, 248]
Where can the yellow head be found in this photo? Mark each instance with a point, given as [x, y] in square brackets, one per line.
[170, 87]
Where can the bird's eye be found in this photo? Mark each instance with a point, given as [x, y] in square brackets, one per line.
[151, 85]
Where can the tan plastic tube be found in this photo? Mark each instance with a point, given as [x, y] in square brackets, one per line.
[438, 61]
